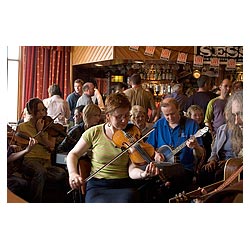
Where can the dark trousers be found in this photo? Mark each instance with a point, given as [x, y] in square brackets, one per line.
[206, 178]
[18, 186]
[110, 191]
[39, 171]
[155, 190]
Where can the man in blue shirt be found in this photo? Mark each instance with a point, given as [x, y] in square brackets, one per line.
[74, 96]
[173, 130]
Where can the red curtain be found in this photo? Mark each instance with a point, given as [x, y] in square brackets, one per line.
[40, 67]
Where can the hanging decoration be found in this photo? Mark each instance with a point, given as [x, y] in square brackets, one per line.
[231, 64]
[149, 51]
[198, 61]
[165, 54]
[215, 62]
[182, 58]
[134, 48]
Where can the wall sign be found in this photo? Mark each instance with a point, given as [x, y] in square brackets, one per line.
[222, 52]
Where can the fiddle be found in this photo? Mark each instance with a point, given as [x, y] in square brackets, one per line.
[55, 129]
[142, 152]
[22, 139]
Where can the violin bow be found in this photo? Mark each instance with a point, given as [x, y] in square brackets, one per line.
[46, 126]
[120, 154]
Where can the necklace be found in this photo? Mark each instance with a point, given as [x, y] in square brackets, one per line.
[108, 131]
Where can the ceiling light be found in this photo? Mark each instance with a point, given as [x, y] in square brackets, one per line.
[196, 74]
[138, 61]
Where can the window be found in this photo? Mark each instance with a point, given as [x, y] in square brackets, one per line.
[12, 82]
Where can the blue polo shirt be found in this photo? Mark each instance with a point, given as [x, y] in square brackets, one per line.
[164, 135]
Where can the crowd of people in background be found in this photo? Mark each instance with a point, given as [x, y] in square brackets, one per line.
[91, 126]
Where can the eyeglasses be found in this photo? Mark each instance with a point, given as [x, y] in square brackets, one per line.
[122, 117]
[139, 117]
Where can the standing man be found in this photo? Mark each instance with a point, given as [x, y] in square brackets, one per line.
[74, 96]
[139, 96]
[88, 91]
[177, 93]
[214, 116]
[97, 99]
[202, 96]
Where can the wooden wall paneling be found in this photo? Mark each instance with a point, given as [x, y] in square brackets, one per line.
[90, 54]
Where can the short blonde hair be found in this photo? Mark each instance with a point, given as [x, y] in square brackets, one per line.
[88, 111]
[194, 108]
[137, 109]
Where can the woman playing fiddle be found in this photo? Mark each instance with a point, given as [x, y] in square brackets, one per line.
[112, 183]
[37, 163]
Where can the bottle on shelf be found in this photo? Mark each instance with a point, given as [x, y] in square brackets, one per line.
[148, 74]
[167, 75]
[156, 74]
[141, 74]
[152, 72]
[145, 77]
[163, 75]
[159, 75]
[157, 89]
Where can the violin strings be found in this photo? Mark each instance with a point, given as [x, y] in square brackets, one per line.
[142, 152]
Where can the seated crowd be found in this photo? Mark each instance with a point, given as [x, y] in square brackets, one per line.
[173, 153]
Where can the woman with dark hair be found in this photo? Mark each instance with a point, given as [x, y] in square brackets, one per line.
[111, 183]
[37, 163]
